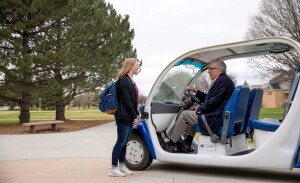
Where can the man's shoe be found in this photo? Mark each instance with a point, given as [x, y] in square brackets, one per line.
[182, 146]
[168, 146]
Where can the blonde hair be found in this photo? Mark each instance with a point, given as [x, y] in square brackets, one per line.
[128, 63]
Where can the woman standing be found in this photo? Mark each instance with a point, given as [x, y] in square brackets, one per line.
[126, 115]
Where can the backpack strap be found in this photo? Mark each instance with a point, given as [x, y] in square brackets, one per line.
[130, 81]
[117, 88]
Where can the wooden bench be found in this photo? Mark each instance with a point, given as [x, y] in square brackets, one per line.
[34, 124]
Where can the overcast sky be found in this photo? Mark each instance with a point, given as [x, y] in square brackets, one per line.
[166, 29]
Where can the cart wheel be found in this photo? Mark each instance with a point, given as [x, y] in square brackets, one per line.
[137, 154]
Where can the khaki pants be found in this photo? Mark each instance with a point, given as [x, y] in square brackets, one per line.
[185, 123]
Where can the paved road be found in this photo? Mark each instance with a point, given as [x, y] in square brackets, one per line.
[84, 156]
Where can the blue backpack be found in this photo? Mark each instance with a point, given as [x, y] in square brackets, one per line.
[108, 97]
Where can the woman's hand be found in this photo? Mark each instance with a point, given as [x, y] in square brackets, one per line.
[137, 120]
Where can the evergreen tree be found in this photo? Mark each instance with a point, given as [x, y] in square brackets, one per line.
[246, 84]
[55, 49]
[23, 25]
[90, 47]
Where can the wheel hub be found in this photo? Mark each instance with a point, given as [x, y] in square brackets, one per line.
[134, 152]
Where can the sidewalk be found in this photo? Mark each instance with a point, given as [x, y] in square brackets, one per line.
[60, 170]
[96, 142]
[81, 156]
[85, 157]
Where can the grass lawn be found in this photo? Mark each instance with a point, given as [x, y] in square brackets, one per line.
[271, 113]
[11, 117]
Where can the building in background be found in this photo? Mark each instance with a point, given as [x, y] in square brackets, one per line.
[275, 92]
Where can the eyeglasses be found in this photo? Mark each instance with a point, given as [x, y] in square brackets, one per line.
[212, 68]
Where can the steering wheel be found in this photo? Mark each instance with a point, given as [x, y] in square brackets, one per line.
[188, 100]
[194, 97]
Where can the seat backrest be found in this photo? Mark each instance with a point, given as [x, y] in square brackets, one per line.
[295, 81]
[293, 89]
[253, 108]
[236, 106]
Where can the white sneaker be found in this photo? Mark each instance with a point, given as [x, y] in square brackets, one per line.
[125, 170]
[115, 172]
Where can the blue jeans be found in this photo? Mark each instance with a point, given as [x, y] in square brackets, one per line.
[119, 150]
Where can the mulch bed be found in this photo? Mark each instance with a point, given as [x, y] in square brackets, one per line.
[67, 126]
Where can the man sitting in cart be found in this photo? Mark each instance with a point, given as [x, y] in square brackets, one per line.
[209, 110]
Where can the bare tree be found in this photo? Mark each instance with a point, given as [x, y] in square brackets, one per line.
[203, 83]
[276, 18]
[233, 78]
[85, 100]
[142, 98]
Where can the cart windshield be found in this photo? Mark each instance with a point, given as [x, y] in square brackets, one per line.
[173, 85]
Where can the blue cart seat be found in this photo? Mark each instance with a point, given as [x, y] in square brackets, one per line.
[253, 108]
[197, 128]
[269, 124]
[266, 124]
[251, 119]
[236, 107]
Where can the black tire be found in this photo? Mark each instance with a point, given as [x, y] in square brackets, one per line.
[137, 154]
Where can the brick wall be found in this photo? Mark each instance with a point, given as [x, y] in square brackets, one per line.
[274, 98]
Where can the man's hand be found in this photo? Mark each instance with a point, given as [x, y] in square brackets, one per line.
[191, 88]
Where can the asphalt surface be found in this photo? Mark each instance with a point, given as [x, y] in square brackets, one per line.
[85, 156]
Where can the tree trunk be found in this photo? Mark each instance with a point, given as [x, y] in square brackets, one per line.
[60, 110]
[11, 107]
[25, 108]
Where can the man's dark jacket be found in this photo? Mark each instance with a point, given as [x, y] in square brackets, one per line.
[127, 97]
[214, 102]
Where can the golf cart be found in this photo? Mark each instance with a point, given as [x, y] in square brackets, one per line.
[276, 141]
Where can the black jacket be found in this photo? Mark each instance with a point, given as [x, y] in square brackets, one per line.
[127, 97]
[214, 102]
